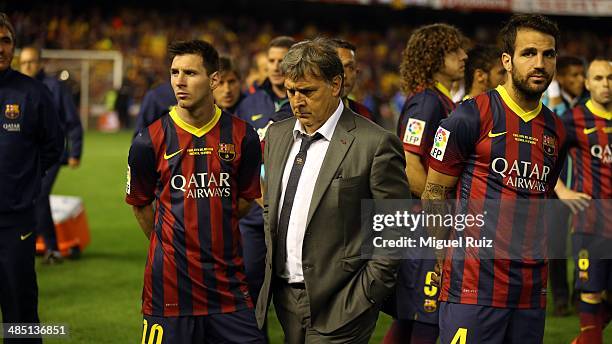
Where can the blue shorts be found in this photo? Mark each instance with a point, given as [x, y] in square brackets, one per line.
[416, 297]
[593, 263]
[472, 324]
[236, 327]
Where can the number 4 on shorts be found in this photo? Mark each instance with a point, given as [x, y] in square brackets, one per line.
[460, 336]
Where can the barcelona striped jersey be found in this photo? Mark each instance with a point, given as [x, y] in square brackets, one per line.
[589, 135]
[195, 176]
[499, 151]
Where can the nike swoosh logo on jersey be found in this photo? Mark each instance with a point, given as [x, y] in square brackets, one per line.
[25, 236]
[589, 131]
[491, 134]
[256, 117]
[166, 156]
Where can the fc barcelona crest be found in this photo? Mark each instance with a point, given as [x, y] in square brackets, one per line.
[12, 111]
[226, 151]
[549, 144]
[430, 305]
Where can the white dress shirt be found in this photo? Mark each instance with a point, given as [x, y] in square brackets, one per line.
[303, 196]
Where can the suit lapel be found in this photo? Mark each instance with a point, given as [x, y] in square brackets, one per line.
[338, 147]
[284, 144]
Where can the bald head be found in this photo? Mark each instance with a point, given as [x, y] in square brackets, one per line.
[598, 64]
[599, 81]
[29, 61]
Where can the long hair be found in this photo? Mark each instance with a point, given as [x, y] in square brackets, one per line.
[424, 55]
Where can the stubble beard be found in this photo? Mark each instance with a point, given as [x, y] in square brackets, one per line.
[521, 86]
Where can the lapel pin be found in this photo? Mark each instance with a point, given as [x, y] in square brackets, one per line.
[343, 141]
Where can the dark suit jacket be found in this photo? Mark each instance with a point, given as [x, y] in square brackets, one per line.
[363, 161]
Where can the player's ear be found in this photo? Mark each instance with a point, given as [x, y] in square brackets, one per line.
[215, 78]
[507, 62]
[480, 75]
[587, 84]
[336, 84]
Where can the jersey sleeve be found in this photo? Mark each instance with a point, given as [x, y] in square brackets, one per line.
[142, 173]
[250, 166]
[51, 134]
[569, 123]
[418, 122]
[455, 139]
[564, 146]
[74, 129]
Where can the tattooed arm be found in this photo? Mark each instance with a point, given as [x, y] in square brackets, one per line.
[438, 187]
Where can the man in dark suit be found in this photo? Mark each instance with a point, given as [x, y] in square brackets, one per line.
[318, 167]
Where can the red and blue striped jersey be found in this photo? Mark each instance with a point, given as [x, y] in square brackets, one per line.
[195, 176]
[589, 135]
[500, 152]
[420, 117]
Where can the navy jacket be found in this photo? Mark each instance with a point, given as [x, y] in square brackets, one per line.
[68, 115]
[31, 141]
[259, 109]
[263, 106]
[156, 102]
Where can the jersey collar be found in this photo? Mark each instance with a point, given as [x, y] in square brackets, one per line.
[443, 89]
[526, 116]
[598, 112]
[199, 132]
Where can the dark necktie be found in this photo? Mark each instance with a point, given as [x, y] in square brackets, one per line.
[292, 184]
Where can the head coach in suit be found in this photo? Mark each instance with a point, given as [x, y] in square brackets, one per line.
[319, 165]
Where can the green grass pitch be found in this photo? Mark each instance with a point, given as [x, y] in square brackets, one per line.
[98, 296]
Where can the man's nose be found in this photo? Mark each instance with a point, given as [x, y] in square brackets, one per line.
[180, 79]
[539, 61]
[299, 98]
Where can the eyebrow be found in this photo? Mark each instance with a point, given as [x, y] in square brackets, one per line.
[176, 69]
[534, 49]
[302, 89]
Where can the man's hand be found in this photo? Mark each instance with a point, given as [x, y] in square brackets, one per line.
[244, 206]
[145, 217]
[576, 201]
[73, 163]
[436, 279]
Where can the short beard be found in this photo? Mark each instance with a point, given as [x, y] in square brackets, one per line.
[523, 88]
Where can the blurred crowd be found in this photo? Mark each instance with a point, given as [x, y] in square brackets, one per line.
[142, 36]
